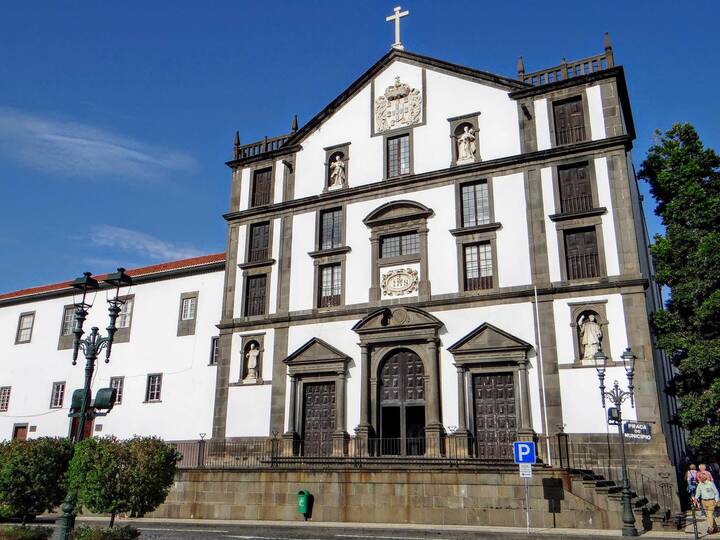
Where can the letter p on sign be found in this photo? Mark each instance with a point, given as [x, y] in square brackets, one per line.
[524, 451]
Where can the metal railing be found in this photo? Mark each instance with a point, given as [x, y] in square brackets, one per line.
[580, 203]
[570, 135]
[583, 266]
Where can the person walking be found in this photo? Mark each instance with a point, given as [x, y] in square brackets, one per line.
[703, 469]
[708, 495]
[691, 480]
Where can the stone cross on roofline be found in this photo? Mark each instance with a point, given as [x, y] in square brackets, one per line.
[396, 17]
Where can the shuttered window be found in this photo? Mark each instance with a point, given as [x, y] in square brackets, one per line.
[575, 188]
[261, 187]
[259, 242]
[255, 295]
[569, 121]
[581, 251]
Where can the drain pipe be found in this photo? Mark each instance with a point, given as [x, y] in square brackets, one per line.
[542, 377]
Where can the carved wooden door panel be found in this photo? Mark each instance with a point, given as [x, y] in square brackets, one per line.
[495, 415]
[575, 190]
[581, 251]
[318, 418]
[569, 121]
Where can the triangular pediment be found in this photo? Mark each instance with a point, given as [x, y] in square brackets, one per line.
[427, 62]
[393, 319]
[487, 338]
[316, 351]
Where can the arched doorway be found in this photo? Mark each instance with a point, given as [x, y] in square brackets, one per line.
[401, 414]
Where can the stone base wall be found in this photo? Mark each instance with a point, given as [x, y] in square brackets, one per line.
[454, 497]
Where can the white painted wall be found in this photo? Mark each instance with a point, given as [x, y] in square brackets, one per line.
[553, 250]
[244, 189]
[542, 124]
[188, 386]
[302, 269]
[610, 242]
[513, 244]
[595, 108]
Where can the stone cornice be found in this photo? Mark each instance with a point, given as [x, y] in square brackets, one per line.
[479, 168]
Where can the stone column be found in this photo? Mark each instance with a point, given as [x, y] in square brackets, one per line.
[363, 430]
[424, 285]
[340, 436]
[461, 437]
[526, 432]
[374, 292]
[290, 437]
[433, 429]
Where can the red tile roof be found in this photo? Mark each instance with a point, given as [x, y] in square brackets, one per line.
[135, 272]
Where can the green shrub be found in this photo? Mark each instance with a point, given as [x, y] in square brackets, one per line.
[25, 533]
[32, 475]
[105, 533]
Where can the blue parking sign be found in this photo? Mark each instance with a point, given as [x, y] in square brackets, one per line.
[524, 451]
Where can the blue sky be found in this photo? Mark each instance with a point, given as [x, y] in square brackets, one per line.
[116, 118]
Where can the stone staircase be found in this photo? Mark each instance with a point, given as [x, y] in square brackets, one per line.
[649, 514]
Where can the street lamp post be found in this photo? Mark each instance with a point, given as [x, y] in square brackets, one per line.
[91, 346]
[616, 396]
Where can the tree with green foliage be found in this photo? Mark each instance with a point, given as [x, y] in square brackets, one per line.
[32, 475]
[684, 178]
[133, 476]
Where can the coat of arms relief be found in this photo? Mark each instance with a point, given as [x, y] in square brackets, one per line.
[399, 107]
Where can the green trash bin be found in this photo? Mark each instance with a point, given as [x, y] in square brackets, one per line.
[303, 501]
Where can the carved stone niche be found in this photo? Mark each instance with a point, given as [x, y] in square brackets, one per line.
[337, 154]
[580, 313]
[458, 125]
[254, 342]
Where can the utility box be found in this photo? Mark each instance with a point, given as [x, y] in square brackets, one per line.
[303, 502]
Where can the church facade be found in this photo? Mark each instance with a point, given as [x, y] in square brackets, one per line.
[434, 258]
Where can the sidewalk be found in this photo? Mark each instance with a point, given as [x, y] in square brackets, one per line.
[429, 530]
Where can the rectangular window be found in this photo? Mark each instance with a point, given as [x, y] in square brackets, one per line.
[25, 328]
[569, 121]
[255, 295]
[154, 385]
[398, 156]
[475, 204]
[478, 267]
[58, 395]
[261, 187]
[68, 322]
[118, 383]
[125, 317]
[189, 308]
[330, 228]
[4, 398]
[575, 188]
[581, 252]
[330, 285]
[259, 242]
[214, 351]
[400, 244]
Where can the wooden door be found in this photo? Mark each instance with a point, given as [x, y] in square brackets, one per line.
[261, 187]
[318, 418]
[495, 415]
[575, 189]
[569, 121]
[20, 433]
[87, 429]
[581, 252]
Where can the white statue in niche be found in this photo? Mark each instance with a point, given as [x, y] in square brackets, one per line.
[337, 173]
[590, 336]
[251, 359]
[466, 146]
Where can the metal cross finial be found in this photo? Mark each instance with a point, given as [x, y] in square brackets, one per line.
[396, 17]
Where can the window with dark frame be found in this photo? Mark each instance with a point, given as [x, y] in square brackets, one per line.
[25, 328]
[330, 229]
[58, 395]
[398, 156]
[478, 266]
[569, 121]
[581, 253]
[214, 351]
[399, 244]
[255, 291]
[259, 242]
[4, 398]
[118, 383]
[261, 187]
[189, 308]
[154, 386]
[475, 204]
[125, 316]
[68, 321]
[330, 285]
[575, 188]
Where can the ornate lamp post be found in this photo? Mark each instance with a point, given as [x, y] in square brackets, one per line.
[617, 397]
[91, 346]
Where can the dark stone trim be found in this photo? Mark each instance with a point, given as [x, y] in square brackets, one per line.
[387, 135]
[329, 252]
[279, 378]
[606, 285]
[32, 327]
[535, 215]
[577, 215]
[486, 237]
[415, 210]
[255, 264]
[488, 227]
[485, 168]
[464, 116]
